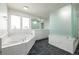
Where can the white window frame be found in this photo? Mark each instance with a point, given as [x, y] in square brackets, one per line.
[21, 28]
[10, 22]
[22, 22]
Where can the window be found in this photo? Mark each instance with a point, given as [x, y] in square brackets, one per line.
[15, 22]
[25, 23]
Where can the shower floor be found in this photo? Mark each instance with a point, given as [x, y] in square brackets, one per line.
[41, 47]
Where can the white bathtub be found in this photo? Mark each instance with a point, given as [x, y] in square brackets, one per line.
[17, 44]
[20, 43]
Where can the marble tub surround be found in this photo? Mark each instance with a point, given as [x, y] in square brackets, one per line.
[18, 43]
[18, 48]
[21, 41]
[17, 37]
[3, 34]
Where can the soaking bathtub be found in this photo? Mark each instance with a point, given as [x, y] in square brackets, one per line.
[17, 44]
[20, 43]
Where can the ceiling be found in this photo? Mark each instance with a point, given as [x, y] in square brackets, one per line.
[41, 10]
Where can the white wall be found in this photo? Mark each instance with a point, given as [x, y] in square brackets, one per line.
[19, 13]
[3, 9]
[3, 21]
[15, 12]
[3, 18]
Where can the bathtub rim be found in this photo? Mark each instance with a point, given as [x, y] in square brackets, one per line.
[10, 45]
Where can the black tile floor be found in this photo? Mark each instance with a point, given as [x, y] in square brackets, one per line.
[41, 47]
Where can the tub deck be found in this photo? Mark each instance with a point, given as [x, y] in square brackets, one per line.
[20, 47]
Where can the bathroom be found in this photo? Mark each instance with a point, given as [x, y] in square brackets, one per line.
[24, 25]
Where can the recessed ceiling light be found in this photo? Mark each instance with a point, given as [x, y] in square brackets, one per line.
[26, 7]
